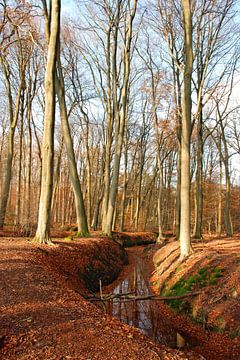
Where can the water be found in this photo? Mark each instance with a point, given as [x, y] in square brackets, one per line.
[142, 314]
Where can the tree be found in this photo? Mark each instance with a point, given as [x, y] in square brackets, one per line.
[44, 214]
[185, 226]
[12, 42]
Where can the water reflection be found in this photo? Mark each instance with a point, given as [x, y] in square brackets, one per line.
[142, 314]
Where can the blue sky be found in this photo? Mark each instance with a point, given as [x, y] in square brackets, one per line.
[68, 7]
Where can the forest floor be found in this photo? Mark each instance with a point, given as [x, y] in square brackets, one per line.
[44, 313]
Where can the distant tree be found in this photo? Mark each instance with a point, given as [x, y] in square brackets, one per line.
[12, 41]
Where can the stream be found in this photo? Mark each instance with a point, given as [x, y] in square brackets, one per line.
[145, 314]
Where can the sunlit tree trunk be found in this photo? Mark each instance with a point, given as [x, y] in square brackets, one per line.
[109, 135]
[185, 236]
[44, 214]
[160, 238]
[79, 203]
[124, 192]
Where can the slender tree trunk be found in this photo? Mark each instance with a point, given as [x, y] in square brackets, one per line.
[109, 130]
[219, 210]
[120, 119]
[160, 238]
[178, 194]
[56, 177]
[185, 239]
[79, 203]
[124, 193]
[44, 213]
[227, 214]
[29, 165]
[10, 149]
[199, 178]
[89, 195]
[139, 191]
[178, 110]
[19, 176]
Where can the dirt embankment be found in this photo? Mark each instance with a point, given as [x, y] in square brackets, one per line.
[43, 311]
[209, 321]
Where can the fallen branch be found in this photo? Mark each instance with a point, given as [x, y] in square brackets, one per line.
[132, 297]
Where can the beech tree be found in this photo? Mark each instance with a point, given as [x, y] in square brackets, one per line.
[145, 118]
[44, 214]
[185, 225]
[12, 41]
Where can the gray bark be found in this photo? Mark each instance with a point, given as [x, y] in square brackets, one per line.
[44, 214]
[185, 239]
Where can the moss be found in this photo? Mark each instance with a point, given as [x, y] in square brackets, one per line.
[81, 234]
[234, 333]
[204, 277]
[221, 323]
[73, 228]
[68, 238]
[178, 269]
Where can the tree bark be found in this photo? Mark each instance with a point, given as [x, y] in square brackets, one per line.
[219, 209]
[199, 179]
[44, 214]
[120, 119]
[185, 239]
[78, 196]
[13, 117]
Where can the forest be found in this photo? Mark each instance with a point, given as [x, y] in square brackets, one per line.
[120, 121]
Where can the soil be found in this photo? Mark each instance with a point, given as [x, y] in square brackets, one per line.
[44, 313]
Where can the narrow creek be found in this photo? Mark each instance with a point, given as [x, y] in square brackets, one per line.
[142, 314]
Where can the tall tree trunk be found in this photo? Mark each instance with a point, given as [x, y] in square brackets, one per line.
[44, 214]
[160, 238]
[185, 237]
[225, 158]
[227, 214]
[120, 118]
[139, 191]
[79, 203]
[19, 175]
[29, 164]
[178, 194]
[199, 178]
[89, 182]
[109, 131]
[178, 111]
[13, 117]
[219, 209]
[124, 193]
[56, 177]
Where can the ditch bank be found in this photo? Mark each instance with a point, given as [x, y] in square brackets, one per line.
[210, 321]
[44, 314]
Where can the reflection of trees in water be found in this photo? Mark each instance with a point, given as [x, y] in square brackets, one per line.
[142, 314]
